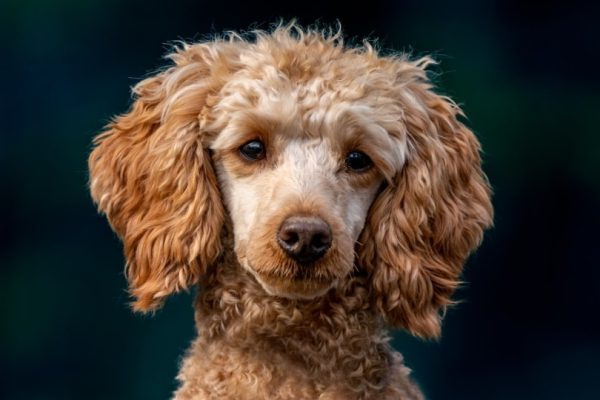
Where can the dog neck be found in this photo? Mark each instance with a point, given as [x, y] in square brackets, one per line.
[334, 334]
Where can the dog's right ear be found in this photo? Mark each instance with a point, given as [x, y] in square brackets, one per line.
[152, 177]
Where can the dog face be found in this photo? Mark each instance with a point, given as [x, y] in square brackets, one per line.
[298, 175]
[325, 158]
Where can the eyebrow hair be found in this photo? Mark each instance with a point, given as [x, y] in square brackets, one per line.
[245, 125]
[355, 125]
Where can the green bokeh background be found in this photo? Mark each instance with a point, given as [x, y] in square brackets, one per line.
[525, 74]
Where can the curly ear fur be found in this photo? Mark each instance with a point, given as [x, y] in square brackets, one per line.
[425, 223]
[153, 179]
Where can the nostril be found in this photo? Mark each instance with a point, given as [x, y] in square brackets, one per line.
[291, 238]
[288, 234]
[320, 241]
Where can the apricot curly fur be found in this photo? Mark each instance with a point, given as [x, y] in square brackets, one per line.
[190, 211]
[428, 219]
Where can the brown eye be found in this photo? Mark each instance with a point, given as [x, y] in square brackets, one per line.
[358, 161]
[254, 150]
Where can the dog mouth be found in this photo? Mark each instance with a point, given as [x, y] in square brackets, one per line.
[295, 288]
[301, 283]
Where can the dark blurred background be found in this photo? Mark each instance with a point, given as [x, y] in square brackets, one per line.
[527, 77]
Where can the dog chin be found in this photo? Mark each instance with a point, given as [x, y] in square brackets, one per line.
[302, 289]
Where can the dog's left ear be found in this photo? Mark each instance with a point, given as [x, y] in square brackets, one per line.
[424, 224]
[152, 177]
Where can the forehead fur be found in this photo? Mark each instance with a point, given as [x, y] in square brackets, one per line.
[309, 84]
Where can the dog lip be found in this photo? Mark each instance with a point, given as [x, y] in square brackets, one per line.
[303, 272]
[290, 287]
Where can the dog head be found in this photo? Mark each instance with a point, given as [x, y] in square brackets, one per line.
[324, 157]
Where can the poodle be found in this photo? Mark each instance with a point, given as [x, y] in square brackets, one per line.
[318, 194]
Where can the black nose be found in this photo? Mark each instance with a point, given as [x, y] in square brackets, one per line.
[305, 239]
